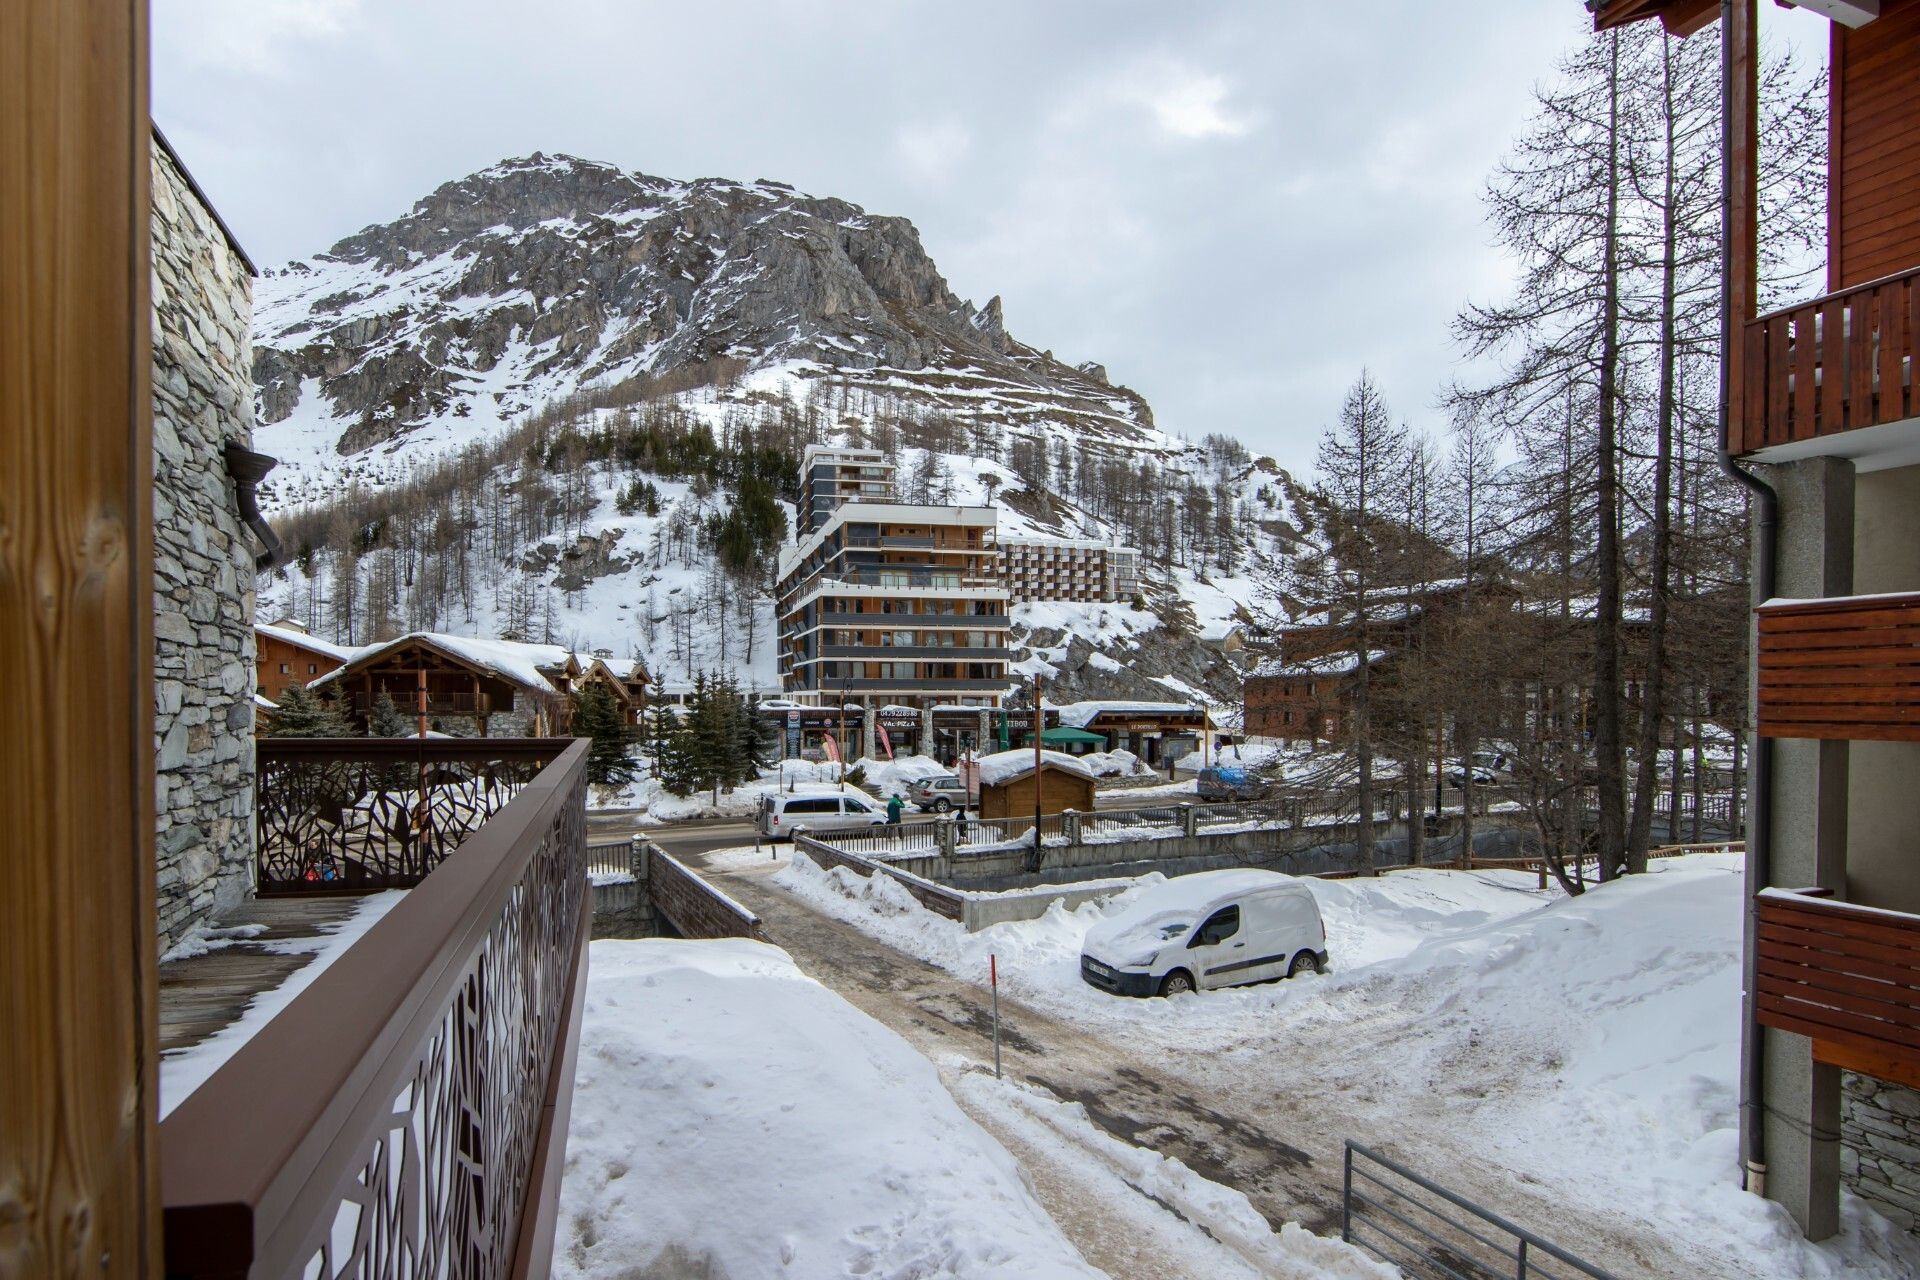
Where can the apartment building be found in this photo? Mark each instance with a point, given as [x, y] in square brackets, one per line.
[831, 477]
[1823, 425]
[897, 606]
[1068, 569]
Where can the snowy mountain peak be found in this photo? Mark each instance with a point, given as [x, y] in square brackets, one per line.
[540, 276]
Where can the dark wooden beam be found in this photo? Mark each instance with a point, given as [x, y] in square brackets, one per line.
[78, 1191]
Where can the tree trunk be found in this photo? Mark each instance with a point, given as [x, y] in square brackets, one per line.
[1607, 737]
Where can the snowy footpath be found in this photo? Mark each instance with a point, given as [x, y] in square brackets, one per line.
[1570, 1060]
[733, 1118]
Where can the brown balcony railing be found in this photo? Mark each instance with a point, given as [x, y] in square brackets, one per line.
[406, 1114]
[1846, 976]
[1846, 668]
[1838, 363]
[352, 815]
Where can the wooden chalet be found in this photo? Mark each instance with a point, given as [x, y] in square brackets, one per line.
[456, 683]
[285, 655]
[1008, 781]
[625, 678]
[1822, 426]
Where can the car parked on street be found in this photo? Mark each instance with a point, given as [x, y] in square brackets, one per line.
[782, 815]
[1210, 929]
[939, 794]
[1230, 782]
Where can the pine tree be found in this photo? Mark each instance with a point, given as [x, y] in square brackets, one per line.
[595, 716]
[666, 744]
[303, 715]
[387, 720]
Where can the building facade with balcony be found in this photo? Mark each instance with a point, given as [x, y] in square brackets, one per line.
[896, 606]
[831, 477]
[1823, 422]
[1069, 569]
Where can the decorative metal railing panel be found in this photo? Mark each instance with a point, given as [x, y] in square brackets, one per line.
[405, 1115]
[357, 814]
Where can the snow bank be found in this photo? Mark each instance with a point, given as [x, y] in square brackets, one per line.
[732, 1117]
[893, 777]
[1113, 764]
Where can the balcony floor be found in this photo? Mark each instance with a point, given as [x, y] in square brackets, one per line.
[205, 993]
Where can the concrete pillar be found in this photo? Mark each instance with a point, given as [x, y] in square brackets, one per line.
[926, 728]
[1189, 820]
[868, 721]
[981, 743]
[1807, 846]
[943, 831]
[1070, 825]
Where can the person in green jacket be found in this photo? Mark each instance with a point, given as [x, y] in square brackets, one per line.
[894, 810]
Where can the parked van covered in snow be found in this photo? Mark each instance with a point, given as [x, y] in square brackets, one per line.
[1209, 929]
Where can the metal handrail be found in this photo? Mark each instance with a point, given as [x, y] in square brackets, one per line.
[1526, 1243]
[256, 1164]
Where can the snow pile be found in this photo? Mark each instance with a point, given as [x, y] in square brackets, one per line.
[1004, 766]
[893, 777]
[717, 1069]
[1113, 764]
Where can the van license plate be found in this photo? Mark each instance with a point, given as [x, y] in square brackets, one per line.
[1099, 968]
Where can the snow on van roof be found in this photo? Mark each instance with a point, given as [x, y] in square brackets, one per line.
[1201, 889]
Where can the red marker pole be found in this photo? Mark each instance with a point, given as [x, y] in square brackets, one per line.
[993, 977]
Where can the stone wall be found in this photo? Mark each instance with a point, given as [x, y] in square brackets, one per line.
[692, 907]
[1880, 1145]
[202, 558]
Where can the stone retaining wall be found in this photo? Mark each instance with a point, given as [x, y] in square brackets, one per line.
[694, 908]
[202, 559]
[1880, 1145]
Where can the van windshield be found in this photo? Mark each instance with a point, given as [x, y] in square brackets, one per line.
[1173, 930]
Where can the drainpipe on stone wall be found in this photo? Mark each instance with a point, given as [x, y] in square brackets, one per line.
[1753, 1161]
[248, 469]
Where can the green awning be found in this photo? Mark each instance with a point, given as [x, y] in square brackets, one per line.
[1062, 735]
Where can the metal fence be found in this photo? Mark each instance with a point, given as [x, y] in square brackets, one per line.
[610, 858]
[405, 1115]
[1432, 1233]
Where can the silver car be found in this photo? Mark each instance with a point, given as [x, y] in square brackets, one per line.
[939, 794]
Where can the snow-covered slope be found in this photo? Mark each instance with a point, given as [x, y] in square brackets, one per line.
[419, 382]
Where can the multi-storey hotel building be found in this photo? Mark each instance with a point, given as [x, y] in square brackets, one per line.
[831, 476]
[900, 610]
[1066, 569]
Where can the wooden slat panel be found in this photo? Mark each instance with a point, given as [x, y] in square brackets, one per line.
[1860, 362]
[1776, 430]
[1893, 350]
[1869, 1062]
[1806, 354]
[78, 1193]
[1839, 975]
[1833, 361]
[1747, 434]
[1835, 669]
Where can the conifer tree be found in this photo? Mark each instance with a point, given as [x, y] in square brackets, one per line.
[301, 714]
[595, 716]
[387, 720]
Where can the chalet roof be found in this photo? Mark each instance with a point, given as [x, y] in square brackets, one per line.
[1680, 17]
[526, 665]
[301, 638]
[1081, 714]
[1007, 766]
[1333, 664]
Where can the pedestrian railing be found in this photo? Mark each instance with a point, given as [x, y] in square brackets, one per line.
[1432, 1233]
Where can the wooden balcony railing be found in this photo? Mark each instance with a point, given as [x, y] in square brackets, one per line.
[406, 1114]
[1834, 364]
[1847, 668]
[1846, 976]
[352, 815]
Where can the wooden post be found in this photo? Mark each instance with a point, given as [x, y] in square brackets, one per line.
[78, 1183]
[1039, 727]
[1743, 203]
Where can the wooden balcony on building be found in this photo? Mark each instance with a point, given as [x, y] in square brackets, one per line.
[1845, 976]
[1839, 363]
[453, 1022]
[1846, 668]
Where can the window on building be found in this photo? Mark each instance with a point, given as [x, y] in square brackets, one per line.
[313, 668]
[285, 669]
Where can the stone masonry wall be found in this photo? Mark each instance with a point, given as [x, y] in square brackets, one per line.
[1880, 1145]
[203, 561]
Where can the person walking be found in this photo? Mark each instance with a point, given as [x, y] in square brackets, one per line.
[894, 810]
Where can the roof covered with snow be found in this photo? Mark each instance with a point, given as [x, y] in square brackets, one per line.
[1004, 766]
[1081, 714]
[311, 643]
[508, 659]
[1333, 664]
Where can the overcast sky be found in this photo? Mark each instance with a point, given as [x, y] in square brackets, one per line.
[1232, 206]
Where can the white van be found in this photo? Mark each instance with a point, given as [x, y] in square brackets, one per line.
[1209, 929]
[782, 815]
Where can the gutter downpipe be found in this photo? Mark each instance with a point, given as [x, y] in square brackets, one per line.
[1753, 1162]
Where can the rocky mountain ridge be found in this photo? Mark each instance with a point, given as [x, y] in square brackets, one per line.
[538, 277]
